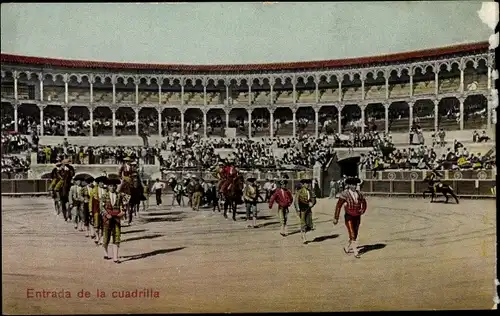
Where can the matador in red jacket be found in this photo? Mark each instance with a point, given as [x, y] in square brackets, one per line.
[228, 174]
[354, 205]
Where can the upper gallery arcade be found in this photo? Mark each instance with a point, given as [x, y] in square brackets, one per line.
[408, 82]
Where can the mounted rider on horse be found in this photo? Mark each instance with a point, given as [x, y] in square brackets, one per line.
[227, 176]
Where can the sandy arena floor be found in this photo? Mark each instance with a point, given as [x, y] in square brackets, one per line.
[419, 256]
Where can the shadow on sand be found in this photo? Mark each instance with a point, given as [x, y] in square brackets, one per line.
[267, 224]
[161, 219]
[150, 254]
[366, 248]
[323, 238]
[133, 231]
[151, 214]
[143, 237]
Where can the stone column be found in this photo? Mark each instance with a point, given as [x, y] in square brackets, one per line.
[410, 108]
[40, 78]
[411, 86]
[16, 107]
[340, 90]
[436, 114]
[159, 91]
[113, 121]
[91, 112]
[113, 81]
[387, 86]
[339, 109]
[159, 120]
[136, 110]
[136, 93]
[294, 121]
[363, 108]
[436, 79]
[461, 100]
[16, 97]
[386, 108]
[41, 107]
[66, 110]
[316, 122]
[227, 117]
[66, 92]
[461, 80]
[294, 94]
[227, 94]
[317, 91]
[182, 92]
[250, 93]
[91, 91]
[204, 94]
[204, 123]
[271, 85]
[249, 123]
[182, 122]
[363, 88]
[489, 80]
[490, 110]
[271, 121]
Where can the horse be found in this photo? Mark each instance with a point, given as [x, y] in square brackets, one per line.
[126, 190]
[232, 196]
[435, 186]
[137, 196]
[63, 193]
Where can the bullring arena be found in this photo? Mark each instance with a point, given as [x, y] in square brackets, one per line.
[405, 118]
[419, 256]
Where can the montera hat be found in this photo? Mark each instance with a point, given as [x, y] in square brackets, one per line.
[79, 177]
[113, 181]
[101, 179]
[127, 159]
[352, 181]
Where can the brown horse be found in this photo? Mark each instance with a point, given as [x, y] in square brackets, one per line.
[233, 195]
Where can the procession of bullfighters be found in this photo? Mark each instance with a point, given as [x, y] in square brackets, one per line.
[160, 185]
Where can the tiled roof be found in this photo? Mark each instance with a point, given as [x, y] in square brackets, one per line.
[391, 58]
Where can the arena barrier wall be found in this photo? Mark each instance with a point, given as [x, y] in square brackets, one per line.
[482, 174]
[463, 188]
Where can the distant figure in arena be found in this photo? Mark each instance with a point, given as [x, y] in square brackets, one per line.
[354, 205]
[284, 199]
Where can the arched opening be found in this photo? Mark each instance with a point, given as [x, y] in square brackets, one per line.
[399, 84]
[193, 92]
[78, 90]
[260, 122]
[423, 115]
[193, 121]
[375, 86]
[171, 121]
[216, 122]
[26, 86]
[351, 118]
[399, 117]
[53, 88]
[170, 92]
[102, 90]
[78, 121]
[148, 121]
[28, 118]
[476, 112]
[475, 76]
[261, 92]
[351, 87]
[216, 92]
[305, 90]
[239, 92]
[53, 117]
[238, 118]
[449, 114]
[305, 117]
[125, 121]
[283, 91]
[328, 89]
[374, 117]
[424, 81]
[283, 121]
[449, 78]
[328, 119]
[103, 121]
[7, 89]
[148, 91]
[125, 91]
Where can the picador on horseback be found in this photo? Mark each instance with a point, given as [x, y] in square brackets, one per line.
[435, 186]
[227, 175]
